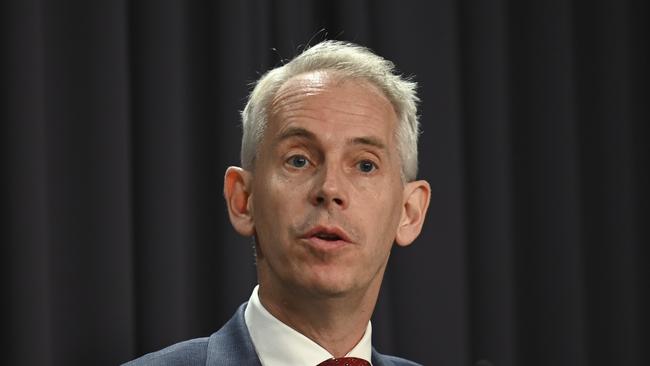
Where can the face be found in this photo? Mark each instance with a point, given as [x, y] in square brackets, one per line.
[327, 193]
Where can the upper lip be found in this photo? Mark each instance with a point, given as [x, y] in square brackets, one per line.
[329, 230]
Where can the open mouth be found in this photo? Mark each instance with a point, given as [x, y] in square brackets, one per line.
[327, 236]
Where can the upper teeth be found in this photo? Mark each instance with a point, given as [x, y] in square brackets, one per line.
[327, 236]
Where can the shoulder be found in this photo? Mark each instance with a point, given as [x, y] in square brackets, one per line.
[192, 352]
[384, 360]
[230, 345]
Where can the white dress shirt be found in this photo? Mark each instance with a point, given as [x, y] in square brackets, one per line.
[277, 344]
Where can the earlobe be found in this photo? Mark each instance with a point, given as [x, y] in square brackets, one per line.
[236, 191]
[416, 202]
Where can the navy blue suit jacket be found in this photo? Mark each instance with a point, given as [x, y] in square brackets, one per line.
[230, 345]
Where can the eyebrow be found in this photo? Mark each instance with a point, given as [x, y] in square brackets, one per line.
[304, 133]
[368, 140]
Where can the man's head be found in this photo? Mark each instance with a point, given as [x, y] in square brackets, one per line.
[349, 61]
[330, 156]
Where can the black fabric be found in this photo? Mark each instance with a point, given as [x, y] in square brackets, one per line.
[119, 118]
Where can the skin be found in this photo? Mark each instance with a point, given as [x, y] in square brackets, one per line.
[328, 160]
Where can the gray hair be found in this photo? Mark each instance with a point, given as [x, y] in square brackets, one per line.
[350, 61]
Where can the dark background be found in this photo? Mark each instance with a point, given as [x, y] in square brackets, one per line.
[121, 117]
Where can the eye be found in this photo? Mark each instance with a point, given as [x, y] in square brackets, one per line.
[298, 161]
[366, 166]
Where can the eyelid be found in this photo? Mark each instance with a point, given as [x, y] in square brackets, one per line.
[368, 156]
[373, 161]
[290, 149]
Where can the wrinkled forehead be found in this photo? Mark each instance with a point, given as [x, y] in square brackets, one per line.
[335, 114]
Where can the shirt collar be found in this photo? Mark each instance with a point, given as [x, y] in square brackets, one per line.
[277, 344]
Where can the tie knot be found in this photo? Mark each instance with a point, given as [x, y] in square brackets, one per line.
[345, 361]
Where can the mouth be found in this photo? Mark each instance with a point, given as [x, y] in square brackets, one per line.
[327, 237]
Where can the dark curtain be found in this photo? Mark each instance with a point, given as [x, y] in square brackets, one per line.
[119, 119]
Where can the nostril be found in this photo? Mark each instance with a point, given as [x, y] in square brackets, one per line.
[324, 200]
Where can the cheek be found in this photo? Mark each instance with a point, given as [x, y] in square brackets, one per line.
[278, 202]
[270, 189]
[381, 214]
[385, 192]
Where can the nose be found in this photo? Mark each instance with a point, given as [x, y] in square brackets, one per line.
[329, 189]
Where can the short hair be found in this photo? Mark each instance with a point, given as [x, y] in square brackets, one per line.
[349, 61]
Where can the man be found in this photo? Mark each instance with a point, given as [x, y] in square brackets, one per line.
[327, 186]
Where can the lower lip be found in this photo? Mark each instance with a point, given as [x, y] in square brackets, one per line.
[325, 245]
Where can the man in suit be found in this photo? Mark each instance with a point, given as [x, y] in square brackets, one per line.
[327, 187]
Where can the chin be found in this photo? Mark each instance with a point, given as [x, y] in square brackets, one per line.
[330, 287]
[331, 291]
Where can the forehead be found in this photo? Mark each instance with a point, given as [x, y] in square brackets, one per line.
[333, 104]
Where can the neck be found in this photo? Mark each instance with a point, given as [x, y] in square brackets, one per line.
[336, 323]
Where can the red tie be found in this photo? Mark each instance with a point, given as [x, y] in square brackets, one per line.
[345, 361]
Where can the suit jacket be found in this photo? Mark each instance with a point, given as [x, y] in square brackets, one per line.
[230, 345]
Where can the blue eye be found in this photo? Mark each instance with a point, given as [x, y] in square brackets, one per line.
[298, 161]
[366, 166]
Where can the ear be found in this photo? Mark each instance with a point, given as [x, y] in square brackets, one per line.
[236, 191]
[416, 203]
